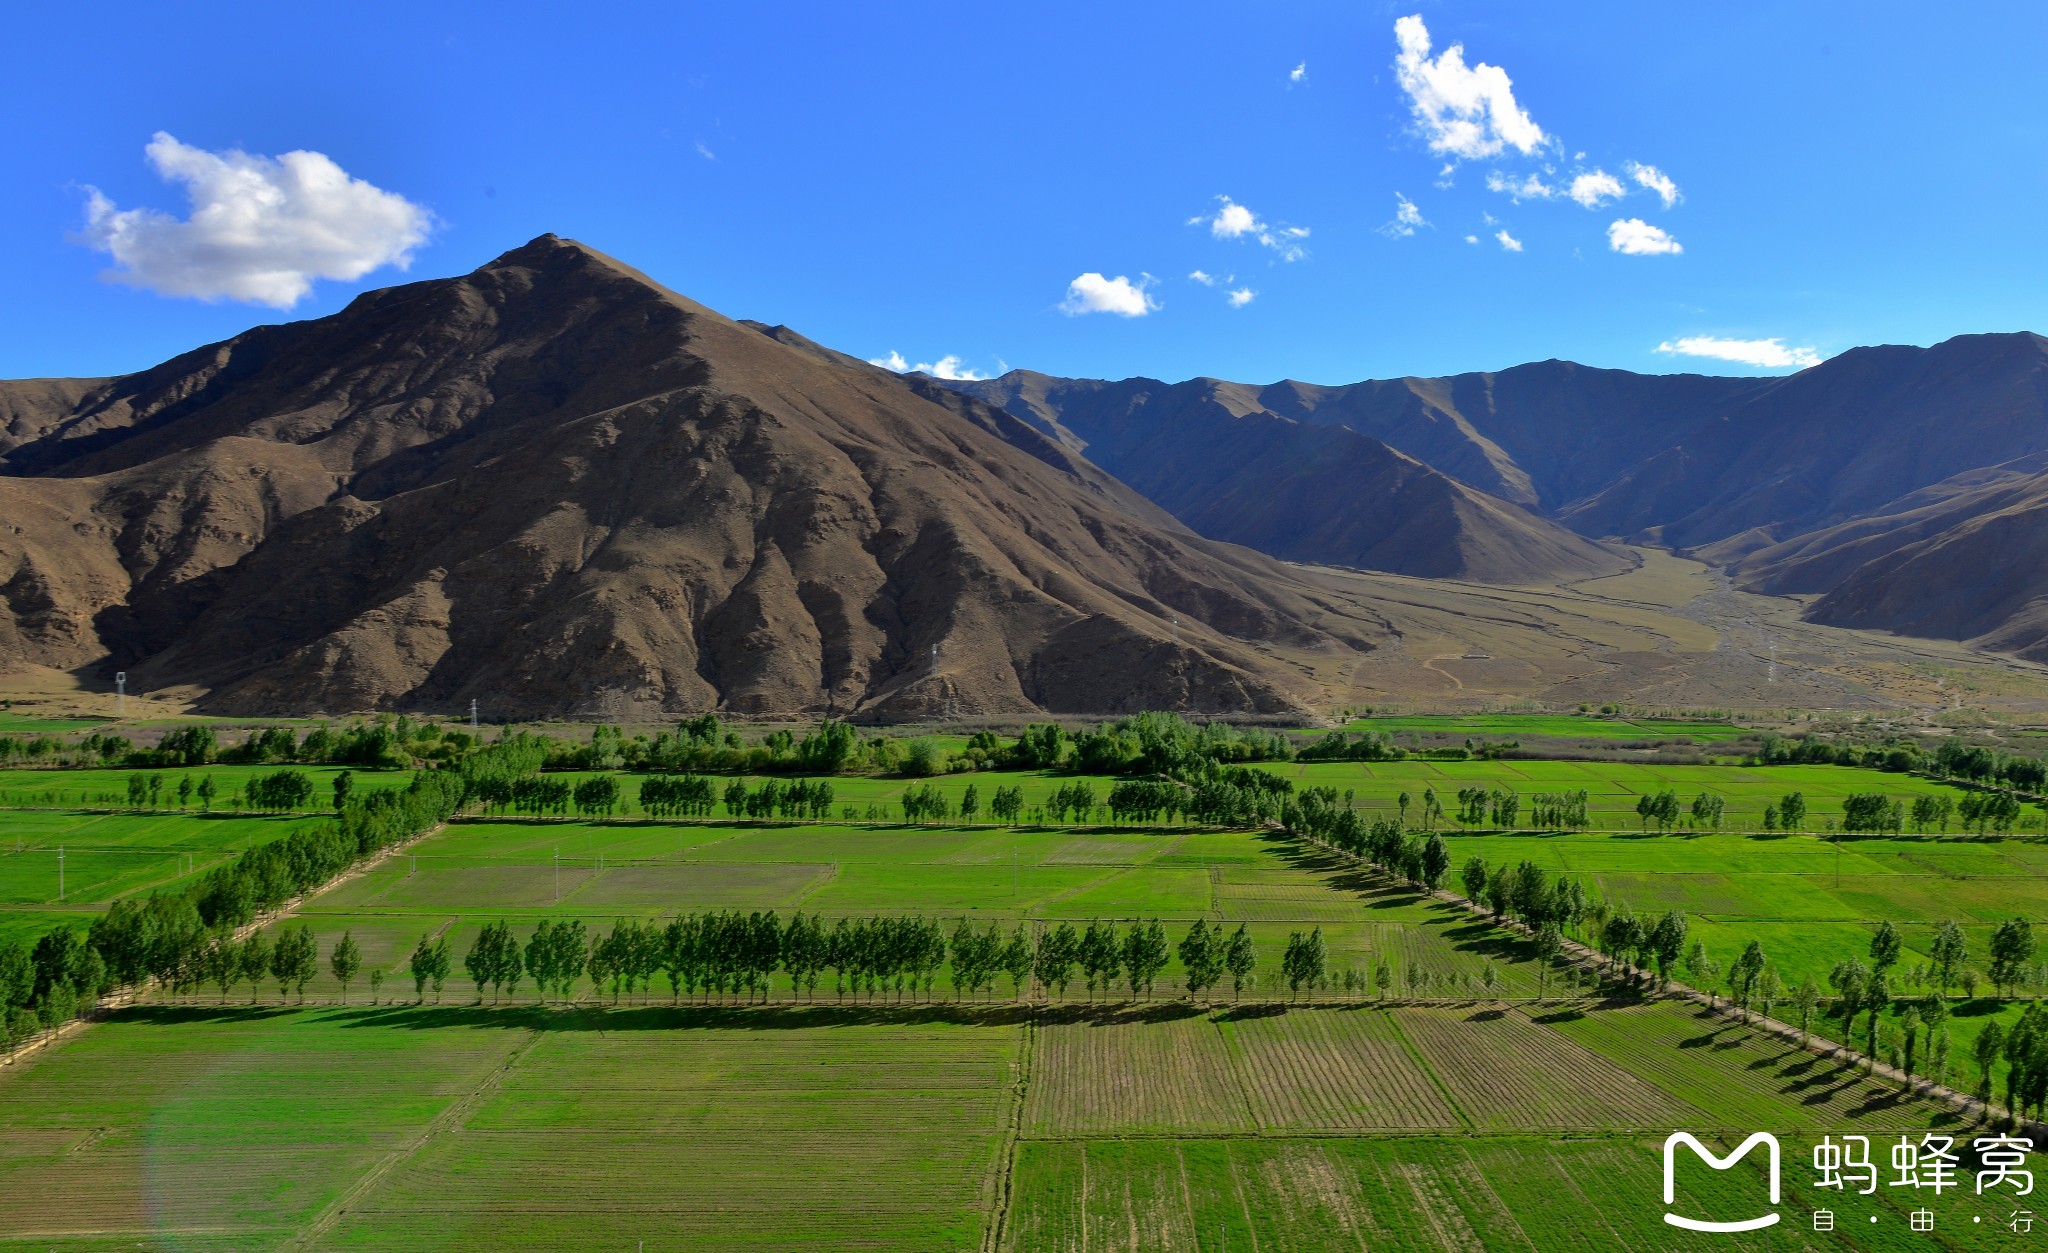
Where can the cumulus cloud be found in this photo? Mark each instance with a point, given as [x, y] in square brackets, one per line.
[1595, 188]
[1465, 111]
[1528, 187]
[1241, 297]
[1298, 73]
[1406, 220]
[1235, 221]
[1768, 354]
[261, 229]
[1092, 293]
[1638, 238]
[1656, 180]
[1471, 239]
[946, 367]
[1508, 241]
[1203, 277]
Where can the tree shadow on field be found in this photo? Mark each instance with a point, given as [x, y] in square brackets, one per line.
[1245, 1013]
[158, 1014]
[588, 1016]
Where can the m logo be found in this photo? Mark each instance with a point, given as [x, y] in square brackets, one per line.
[1718, 1163]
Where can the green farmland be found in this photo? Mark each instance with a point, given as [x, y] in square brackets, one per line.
[1551, 726]
[1458, 1110]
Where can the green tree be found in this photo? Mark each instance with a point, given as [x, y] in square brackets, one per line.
[255, 962]
[344, 787]
[1804, 998]
[1701, 970]
[1058, 950]
[1145, 955]
[1240, 958]
[970, 803]
[1742, 977]
[1792, 811]
[1989, 1048]
[1017, 960]
[1383, 977]
[1473, 876]
[1667, 943]
[1877, 997]
[422, 966]
[1884, 947]
[1949, 952]
[346, 960]
[1549, 943]
[1201, 957]
[2012, 949]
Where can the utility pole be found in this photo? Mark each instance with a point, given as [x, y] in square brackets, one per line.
[121, 694]
[472, 715]
[558, 874]
[60, 873]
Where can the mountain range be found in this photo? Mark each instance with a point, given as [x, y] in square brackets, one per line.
[554, 486]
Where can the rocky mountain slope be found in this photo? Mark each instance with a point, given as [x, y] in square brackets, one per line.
[554, 486]
[1820, 482]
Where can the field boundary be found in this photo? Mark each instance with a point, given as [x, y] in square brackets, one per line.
[457, 1110]
[120, 1000]
[995, 1232]
[1915, 1085]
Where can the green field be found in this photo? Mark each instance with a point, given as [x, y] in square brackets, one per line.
[96, 787]
[1445, 1116]
[1551, 726]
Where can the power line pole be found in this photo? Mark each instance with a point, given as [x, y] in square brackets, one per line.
[472, 715]
[60, 873]
[121, 694]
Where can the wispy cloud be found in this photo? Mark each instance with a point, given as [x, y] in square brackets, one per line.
[1638, 238]
[946, 367]
[1203, 277]
[1595, 188]
[1406, 221]
[1769, 354]
[1235, 221]
[1656, 180]
[1092, 293]
[1527, 187]
[261, 230]
[704, 151]
[1463, 111]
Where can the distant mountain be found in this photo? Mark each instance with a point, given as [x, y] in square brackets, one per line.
[1807, 480]
[1233, 470]
[554, 486]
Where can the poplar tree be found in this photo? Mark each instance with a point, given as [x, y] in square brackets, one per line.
[346, 960]
[1240, 958]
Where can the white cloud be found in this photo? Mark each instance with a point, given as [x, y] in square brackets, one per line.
[1593, 189]
[1508, 241]
[1638, 238]
[1407, 219]
[1236, 221]
[1092, 293]
[1471, 239]
[1203, 277]
[261, 228]
[1530, 187]
[1241, 297]
[1464, 111]
[704, 151]
[1764, 353]
[1298, 73]
[946, 367]
[1656, 180]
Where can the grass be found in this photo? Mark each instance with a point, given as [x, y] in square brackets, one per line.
[1448, 1120]
[1551, 726]
[108, 786]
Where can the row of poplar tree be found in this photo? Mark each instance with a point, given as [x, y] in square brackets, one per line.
[735, 955]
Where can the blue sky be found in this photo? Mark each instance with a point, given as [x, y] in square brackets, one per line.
[936, 181]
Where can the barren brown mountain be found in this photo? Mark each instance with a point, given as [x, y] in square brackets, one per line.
[1889, 477]
[1233, 470]
[554, 486]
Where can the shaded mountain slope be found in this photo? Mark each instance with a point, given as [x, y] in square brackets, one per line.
[1234, 471]
[554, 486]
